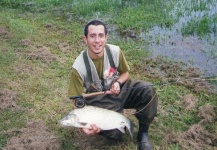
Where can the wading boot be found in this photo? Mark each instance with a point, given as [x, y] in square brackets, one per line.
[142, 137]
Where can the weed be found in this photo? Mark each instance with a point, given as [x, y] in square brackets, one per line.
[200, 27]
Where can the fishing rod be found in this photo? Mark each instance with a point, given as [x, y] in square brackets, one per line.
[172, 82]
[80, 99]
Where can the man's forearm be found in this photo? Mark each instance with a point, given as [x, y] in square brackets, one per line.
[123, 77]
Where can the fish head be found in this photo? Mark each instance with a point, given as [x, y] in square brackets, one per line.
[69, 120]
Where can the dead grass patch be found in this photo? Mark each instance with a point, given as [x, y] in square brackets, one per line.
[3, 31]
[197, 136]
[207, 112]
[189, 101]
[7, 99]
[35, 136]
[42, 53]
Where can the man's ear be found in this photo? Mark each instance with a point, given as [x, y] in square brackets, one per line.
[85, 39]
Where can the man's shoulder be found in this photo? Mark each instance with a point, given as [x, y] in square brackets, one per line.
[80, 56]
[115, 50]
[113, 47]
[78, 61]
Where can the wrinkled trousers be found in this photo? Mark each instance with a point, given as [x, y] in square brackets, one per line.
[134, 94]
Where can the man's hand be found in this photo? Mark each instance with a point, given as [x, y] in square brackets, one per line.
[115, 89]
[93, 131]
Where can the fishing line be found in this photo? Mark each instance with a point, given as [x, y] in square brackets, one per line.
[137, 112]
[177, 81]
[80, 99]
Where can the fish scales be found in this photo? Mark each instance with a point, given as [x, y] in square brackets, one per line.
[102, 118]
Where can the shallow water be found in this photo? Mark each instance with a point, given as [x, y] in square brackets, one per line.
[193, 50]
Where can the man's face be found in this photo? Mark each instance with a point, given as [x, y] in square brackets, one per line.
[96, 40]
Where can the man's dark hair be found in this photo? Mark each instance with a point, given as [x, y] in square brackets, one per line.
[95, 23]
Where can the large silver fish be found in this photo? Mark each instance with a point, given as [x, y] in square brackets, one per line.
[102, 118]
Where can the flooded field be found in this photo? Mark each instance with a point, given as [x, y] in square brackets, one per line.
[191, 40]
[194, 50]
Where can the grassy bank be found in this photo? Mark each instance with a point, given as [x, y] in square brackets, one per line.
[39, 42]
[125, 13]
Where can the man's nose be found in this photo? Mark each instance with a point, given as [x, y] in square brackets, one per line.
[97, 39]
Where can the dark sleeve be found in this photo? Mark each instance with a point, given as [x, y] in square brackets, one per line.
[75, 84]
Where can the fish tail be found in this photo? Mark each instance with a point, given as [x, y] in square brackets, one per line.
[131, 129]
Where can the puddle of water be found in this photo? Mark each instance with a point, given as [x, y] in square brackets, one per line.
[169, 42]
[194, 51]
[188, 50]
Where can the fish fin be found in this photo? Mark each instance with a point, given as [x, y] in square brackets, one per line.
[122, 129]
[131, 129]
[82, 123]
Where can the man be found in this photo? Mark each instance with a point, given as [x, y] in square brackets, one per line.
[103, 67]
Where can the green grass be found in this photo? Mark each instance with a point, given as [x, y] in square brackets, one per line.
[176, 117]
[201, 27]
[11, 119]
[139, 17]
[42, 86]
[3, 140]
[126, 14]
[7, 58]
